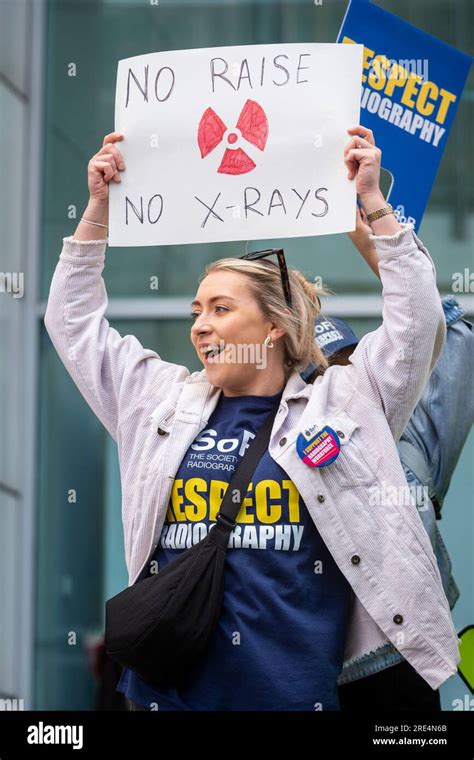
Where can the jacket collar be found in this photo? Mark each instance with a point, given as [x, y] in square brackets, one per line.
[296, 387]
[198, 388]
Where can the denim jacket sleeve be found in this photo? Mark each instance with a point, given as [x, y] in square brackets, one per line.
[112, 372]
[393, 363]
[442, 420]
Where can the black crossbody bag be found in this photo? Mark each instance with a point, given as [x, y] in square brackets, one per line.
[160, 626]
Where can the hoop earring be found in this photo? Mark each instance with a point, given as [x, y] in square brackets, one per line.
[268, 342]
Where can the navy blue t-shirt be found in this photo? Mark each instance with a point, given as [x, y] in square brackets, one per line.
[279, 642]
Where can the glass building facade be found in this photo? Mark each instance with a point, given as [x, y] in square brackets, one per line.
[61, 548]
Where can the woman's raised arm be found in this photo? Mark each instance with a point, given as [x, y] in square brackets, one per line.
[112, 372]
[393, 363]
[104, 166]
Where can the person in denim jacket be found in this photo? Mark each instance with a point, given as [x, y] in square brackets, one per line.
[429, 449]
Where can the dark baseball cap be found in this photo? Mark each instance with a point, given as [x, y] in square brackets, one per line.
[331, 335]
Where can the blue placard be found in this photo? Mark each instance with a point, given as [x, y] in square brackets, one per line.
[411, 88]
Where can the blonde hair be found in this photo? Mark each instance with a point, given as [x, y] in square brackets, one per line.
[298, 323]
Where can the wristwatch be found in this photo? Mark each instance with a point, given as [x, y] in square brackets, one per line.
[379, 213]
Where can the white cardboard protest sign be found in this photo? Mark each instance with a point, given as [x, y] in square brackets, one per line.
[235, 143]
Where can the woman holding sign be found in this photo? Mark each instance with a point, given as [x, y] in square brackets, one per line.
[315, 578]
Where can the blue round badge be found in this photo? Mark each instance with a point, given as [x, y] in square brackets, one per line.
[318, 448]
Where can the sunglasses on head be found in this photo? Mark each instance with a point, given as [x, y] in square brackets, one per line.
[278, 252]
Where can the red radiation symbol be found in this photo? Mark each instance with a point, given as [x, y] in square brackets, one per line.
[253, 127]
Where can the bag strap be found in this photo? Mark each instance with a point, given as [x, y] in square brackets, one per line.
[240, 480]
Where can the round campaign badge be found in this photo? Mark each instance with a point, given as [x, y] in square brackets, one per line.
[318, 448]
